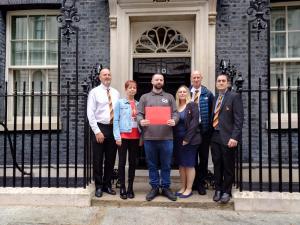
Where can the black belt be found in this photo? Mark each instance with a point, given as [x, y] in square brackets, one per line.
[102, 124]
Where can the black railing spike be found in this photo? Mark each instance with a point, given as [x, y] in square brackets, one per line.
[66, 18]
[231, 71]
[239, 82]
[259, 12]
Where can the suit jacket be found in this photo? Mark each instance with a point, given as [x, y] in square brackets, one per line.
[191, 123]
[231, 117]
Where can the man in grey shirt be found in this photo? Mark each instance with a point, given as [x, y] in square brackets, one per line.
[158, 139]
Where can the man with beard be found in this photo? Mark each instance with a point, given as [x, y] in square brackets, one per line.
[158, 139]
[101, 102]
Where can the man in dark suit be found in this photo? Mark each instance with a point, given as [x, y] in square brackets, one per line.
[227, 130]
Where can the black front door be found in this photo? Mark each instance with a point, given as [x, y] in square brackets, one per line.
[176, 72]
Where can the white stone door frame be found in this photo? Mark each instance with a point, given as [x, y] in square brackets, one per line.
[124, 12]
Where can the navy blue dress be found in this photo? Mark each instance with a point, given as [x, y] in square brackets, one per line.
[185, 156]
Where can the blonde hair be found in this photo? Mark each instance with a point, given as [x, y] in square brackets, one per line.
[188, 95]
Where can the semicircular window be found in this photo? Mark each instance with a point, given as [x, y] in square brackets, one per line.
[161, 39]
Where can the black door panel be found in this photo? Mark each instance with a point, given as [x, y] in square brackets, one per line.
[176, 72]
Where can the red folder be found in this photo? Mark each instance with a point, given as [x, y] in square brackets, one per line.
[158, 115]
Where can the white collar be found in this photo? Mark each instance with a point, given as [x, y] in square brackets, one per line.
[194, 89]
[104, 87]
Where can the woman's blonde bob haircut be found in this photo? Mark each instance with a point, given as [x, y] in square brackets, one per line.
[187, 98]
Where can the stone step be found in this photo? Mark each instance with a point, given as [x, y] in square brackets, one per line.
[141, 189]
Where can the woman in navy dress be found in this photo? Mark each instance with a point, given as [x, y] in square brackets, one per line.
[187, 137]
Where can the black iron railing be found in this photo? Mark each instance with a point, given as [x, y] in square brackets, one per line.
[38, 151]
[269, 157]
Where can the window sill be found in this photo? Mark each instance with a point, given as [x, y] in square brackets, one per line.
[36, 125]
[284, 121]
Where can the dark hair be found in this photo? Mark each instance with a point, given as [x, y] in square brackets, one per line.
[158, 74]
[222, 74]
[127, 83]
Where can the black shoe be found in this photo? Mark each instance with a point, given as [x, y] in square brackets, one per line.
[169, 194]
[201, 190]
[123, 193]
[152, 194]
[98, 193]
[225, 198]
[217, 196]
[109, 190]
[130, 193]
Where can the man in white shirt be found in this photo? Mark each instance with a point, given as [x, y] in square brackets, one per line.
[101, 102]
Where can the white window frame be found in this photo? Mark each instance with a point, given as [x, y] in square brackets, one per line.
[284, 116]
[9, 75]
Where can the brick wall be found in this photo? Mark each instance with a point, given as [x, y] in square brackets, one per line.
[2, 57]
[232, 43]
[93, 48]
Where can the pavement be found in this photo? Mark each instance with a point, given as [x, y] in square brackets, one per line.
[111, 210]
[138, 216]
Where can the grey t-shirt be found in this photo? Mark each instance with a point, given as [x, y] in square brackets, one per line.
[157, 132]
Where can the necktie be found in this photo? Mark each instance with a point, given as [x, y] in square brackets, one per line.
[217, 111]
[196, 97]
[111, 110]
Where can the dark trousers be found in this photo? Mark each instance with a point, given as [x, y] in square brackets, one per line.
[201, 168]
[224, 160]
[132, 146]
[108, 149]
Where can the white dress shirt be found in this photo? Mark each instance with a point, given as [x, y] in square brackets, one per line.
[98, 106]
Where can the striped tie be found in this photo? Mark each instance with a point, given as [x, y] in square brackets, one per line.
[217, 111]
[111, 110]
[196, 96]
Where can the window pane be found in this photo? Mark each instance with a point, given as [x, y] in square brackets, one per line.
[276, 73]
[20, 106]
[294, 44]
[52, 52]
[36, 53]
[19, 27]
[278, 19]
[18, 53]
[53, 105]
[294, 17]
[293, 72]
[37, 105]
[278, 45]
[294, 101]
[36, 27]
[39, 76]
[52, 77]
[21, 76]
[274, 102]
[51, 27]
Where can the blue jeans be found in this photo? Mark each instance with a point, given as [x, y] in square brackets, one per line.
[159, 153]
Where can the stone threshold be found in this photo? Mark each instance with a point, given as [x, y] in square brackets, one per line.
[46, 196]
[195, 201]
[266, 201]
